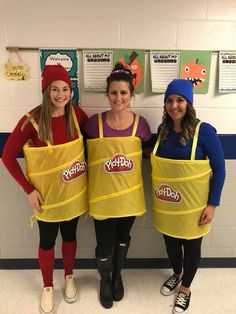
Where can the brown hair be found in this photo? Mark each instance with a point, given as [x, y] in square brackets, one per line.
[121, 73]
[188, 125]
[42, 115]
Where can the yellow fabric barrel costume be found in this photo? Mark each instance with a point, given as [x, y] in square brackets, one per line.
[58, 172]
[115, 176]
[180, 193]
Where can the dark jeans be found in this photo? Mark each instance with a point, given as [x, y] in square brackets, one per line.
[111, 231]
[48, 232]
[184, 255]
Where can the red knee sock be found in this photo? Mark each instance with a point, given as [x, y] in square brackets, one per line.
[68, 253]
[46, 263]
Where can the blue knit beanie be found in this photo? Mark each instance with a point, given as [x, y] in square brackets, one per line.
[180, 87]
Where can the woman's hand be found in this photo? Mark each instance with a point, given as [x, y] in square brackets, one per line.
[207, 215]
[35, 200]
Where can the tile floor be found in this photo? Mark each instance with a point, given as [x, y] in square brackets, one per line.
[213, 292]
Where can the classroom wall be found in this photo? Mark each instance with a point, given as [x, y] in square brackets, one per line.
[147, 24]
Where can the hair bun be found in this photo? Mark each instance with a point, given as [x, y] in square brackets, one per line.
[121, 68]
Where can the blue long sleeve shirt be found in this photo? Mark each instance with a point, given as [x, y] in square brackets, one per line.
[208, 146]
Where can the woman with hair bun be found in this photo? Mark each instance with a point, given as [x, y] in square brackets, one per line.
[116, 194]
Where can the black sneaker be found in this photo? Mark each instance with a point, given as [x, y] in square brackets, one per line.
[181, 303]
[170, 285]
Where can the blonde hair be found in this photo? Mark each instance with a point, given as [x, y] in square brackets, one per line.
[43, 114]
[188, 125]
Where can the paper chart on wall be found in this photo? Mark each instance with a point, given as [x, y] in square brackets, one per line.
[97, 65]
[164, 68]
[227, 72]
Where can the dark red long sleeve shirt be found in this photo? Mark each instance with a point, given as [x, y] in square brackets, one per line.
[19, 137]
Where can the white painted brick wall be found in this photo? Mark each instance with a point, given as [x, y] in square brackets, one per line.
[147, 24]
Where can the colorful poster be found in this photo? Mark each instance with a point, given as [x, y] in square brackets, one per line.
[97, 65]
[67, 58]
[195, 66]
[227, 72]
[134, 59]
[164, 68]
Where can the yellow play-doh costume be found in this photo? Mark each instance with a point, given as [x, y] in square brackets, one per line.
[115, 176]
[58, 172]
[180, 192]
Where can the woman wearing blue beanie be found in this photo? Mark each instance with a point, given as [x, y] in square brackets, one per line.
[188, 172]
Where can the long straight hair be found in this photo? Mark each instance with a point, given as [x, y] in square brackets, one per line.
[43, 114]
[188, 125]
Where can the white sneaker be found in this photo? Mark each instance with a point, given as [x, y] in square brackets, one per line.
[182, 301]
[47, 306]
[170, 285]
[70, 289]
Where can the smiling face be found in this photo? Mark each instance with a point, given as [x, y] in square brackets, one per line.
[176, 107]
[119, 96]
[60, 95]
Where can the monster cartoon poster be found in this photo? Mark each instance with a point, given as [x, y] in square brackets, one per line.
[134, 60]
[195, 66]
[67, 58]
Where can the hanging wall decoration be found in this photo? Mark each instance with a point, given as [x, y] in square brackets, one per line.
[15, 68]
[97, 65]
[134, 59]
[164, 68]
[227, 72]
[68, 58]
[195, 66]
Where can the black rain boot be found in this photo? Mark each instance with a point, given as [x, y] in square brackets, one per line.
[121, 251]
[104, 268]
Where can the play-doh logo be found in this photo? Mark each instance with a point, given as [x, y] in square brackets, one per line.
[75, 171]
[118, 163]
[167, 194]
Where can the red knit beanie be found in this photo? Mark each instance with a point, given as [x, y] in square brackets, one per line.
[53, 73]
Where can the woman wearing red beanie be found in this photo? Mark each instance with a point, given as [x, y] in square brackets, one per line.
[56, 174]
[188, 172]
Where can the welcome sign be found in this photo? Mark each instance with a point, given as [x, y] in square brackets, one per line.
[69, 60]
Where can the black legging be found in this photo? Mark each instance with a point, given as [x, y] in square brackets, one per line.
[111, 231]
[184, 255]
[48, 232]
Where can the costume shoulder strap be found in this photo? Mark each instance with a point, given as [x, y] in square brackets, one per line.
[136, 121]
[195, 139]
